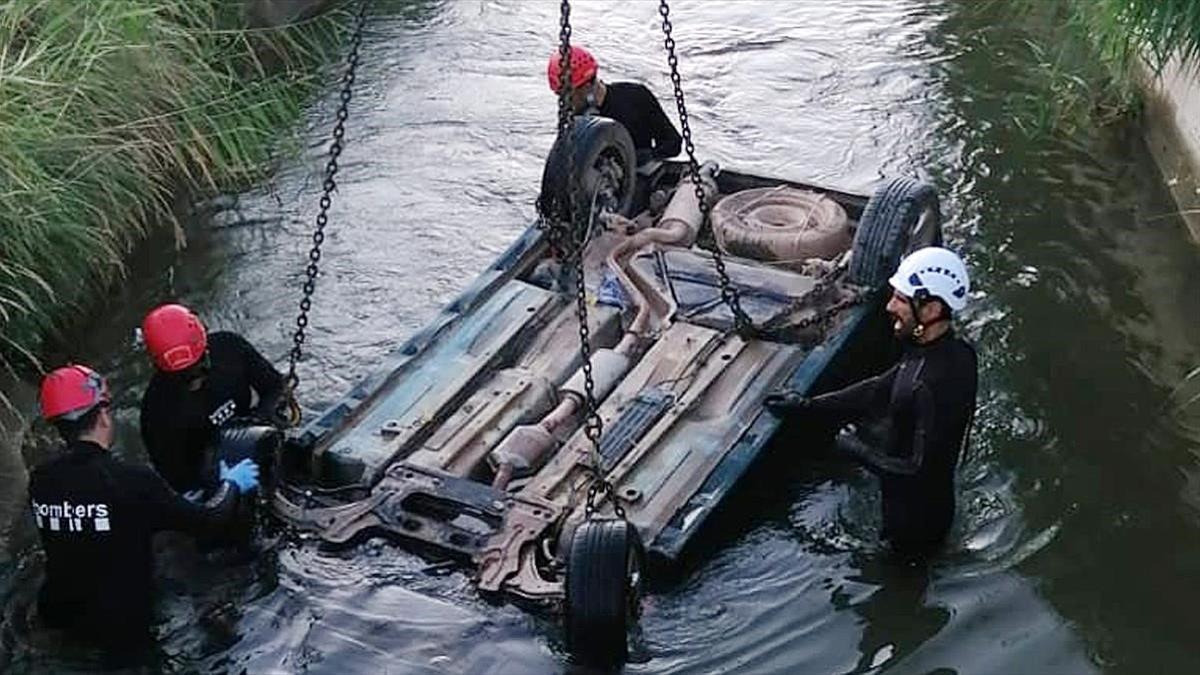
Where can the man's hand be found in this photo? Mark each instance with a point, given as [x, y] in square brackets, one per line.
[244, 475]
[786, 401]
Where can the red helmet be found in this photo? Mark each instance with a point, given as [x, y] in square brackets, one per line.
[174, 337]
[583, 68]
[71, 392]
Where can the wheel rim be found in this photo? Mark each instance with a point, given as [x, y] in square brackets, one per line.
[608, 176]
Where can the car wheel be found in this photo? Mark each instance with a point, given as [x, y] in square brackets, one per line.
[603, 591]
[598, 163]
[902, 216]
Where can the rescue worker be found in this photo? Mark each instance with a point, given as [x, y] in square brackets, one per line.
[96, 515]
[202, 383]
[630, 103]
[913, 419]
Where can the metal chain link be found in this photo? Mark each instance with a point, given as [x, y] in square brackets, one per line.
[774, 327]
[551, 212]
[823, 317]
[729, 293]
[329, 187]
[568, 237]
[593, 426]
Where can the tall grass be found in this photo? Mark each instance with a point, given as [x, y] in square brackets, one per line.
[1074, 86]
[1091, 52]
[1156, 30]
[108, 109]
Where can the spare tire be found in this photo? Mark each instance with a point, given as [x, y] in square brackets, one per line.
[781, 224]
[902, 216]
[603, 591]
[598, 155]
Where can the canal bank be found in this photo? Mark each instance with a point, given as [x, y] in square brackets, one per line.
[112, 114]
[1172, 129]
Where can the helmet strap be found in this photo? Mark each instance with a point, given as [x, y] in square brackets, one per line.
[920, 299]
[915, 303]
[595, 93]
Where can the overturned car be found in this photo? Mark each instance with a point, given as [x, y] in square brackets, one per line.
[474, 440]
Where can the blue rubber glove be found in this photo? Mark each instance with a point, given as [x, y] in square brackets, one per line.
[244, 475]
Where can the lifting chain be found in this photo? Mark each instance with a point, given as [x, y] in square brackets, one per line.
[551, 211]
[825, 316]
[780, 325]
[568, 231]
[729, 293]
[329, 187]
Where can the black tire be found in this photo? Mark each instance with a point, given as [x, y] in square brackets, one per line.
[237, 441]
[901, 216]
[595, 142]
[603, 586]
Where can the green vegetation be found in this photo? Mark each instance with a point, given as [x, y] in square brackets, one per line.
[1154, 30]
[1092, 53]
[109, 110]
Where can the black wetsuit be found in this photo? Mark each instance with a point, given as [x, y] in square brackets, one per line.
[96, 516]
[636, 108]
[179, 426]
[914, 419]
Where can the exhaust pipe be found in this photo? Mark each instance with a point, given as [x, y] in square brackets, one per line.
[525, 449]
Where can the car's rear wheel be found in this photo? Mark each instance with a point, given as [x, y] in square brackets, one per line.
[902, 216]
[603, 591]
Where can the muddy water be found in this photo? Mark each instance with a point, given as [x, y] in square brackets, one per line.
[1077, 547]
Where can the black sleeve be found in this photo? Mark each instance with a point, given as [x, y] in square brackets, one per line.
[150, 430]
[881, 462]
[667, 141]
[264, 379]
[859, 398]
[164, 450]
[167, 510]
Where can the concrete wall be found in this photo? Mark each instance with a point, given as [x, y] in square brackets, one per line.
[1172, 127]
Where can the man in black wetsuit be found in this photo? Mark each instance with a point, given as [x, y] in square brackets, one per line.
[202, 383]
[913, 419]
[630, 103]
[96, 515]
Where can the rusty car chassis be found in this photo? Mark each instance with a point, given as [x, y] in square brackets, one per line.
[469, 441]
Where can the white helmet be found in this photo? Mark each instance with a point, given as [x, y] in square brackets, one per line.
[939, 272]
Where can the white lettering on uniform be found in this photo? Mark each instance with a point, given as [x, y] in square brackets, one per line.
[223, 413]
[77, 516]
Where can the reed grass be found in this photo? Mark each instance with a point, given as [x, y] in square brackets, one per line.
[1153, 30]
[1092, 54]
[108, 110]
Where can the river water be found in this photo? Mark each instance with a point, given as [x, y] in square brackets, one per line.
[1078, 543]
